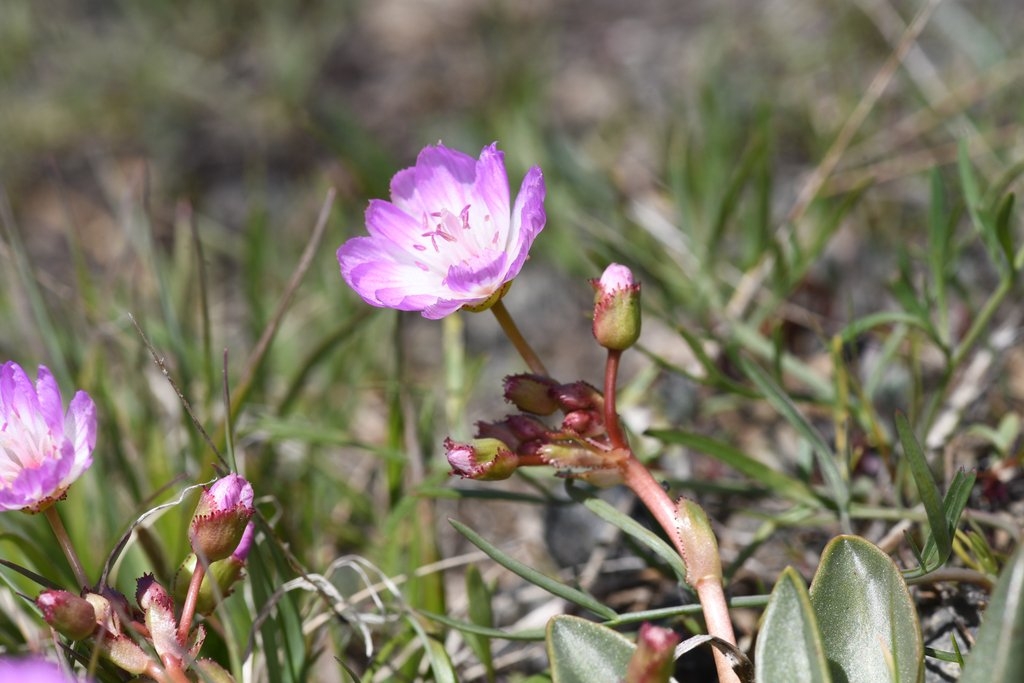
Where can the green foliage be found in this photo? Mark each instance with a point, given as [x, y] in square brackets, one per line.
[581, 651]
[162, 168]
[997, 655]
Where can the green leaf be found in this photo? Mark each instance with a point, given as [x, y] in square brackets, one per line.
[997, 653]
[535, 577]
[780, 484]
[1004, 228]
[867, 620]
[952, 507]
[631, 527]
[928, 491]
[480, 613]
[581, 651]
[789, 647]
[826, 460]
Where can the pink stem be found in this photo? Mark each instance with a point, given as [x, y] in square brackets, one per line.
[703, 566]
[191, 598]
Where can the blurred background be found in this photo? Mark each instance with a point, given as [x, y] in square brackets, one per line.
[167, 160]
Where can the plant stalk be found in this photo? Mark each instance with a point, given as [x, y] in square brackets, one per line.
[508, 326]
[53, 517]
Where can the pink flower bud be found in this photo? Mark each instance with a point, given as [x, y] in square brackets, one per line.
[653, 659]
[616, 308]
[159, 609]
[531, 393]
[527, 427]
[584, 422]
[484, 459]
[72, 615]
[221, 516]
[497, 430]
[578, 396]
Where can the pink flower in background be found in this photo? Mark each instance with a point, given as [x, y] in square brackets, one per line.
[43, 450]
[32, 670]
[448, 238]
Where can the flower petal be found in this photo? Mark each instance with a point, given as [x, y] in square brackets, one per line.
[528, 219]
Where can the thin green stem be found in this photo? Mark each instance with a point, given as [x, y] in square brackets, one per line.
[53, 517]
[515, 336]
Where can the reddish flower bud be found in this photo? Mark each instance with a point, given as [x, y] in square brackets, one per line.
[616, 308]
[578, 396]
[73, 616]
[497, 430]
[484, 459]
[653, 659]
[584, 422]
[527, 427]
[159, 609]
[221, 516]
[532, 393]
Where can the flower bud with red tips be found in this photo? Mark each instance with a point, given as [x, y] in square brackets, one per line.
[527, 427]
[578, 396]
[653, 659]
[221, 516]
[616, 308]
[483, 459]
[159, 609]
[71, 615]
[532, 393]
[584, 423]
[498, 430]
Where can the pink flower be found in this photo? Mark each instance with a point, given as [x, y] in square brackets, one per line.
[447, 238]
[43, 450]
[34, 669]
[221, 517]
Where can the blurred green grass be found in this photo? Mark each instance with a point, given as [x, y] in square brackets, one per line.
[675, 137]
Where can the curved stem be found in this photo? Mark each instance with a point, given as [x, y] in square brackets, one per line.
[611, 416]
[699, 550]
[508, 326]
[53, 517]
[189, 609]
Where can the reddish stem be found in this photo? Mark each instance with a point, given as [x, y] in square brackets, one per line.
[189, 609]
[611, 416]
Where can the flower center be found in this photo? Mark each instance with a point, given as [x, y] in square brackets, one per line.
[451, 239]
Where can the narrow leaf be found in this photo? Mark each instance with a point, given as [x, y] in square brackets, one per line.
[535, 577]
[826, 460]
[997, 654]
[779, 483]
[630, 526]
[928, 491]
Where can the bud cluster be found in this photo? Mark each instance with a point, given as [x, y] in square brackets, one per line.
[156, 633]
[578, 447]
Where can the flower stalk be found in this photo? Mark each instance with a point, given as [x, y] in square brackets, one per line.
[508, 326]
[53, 517]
